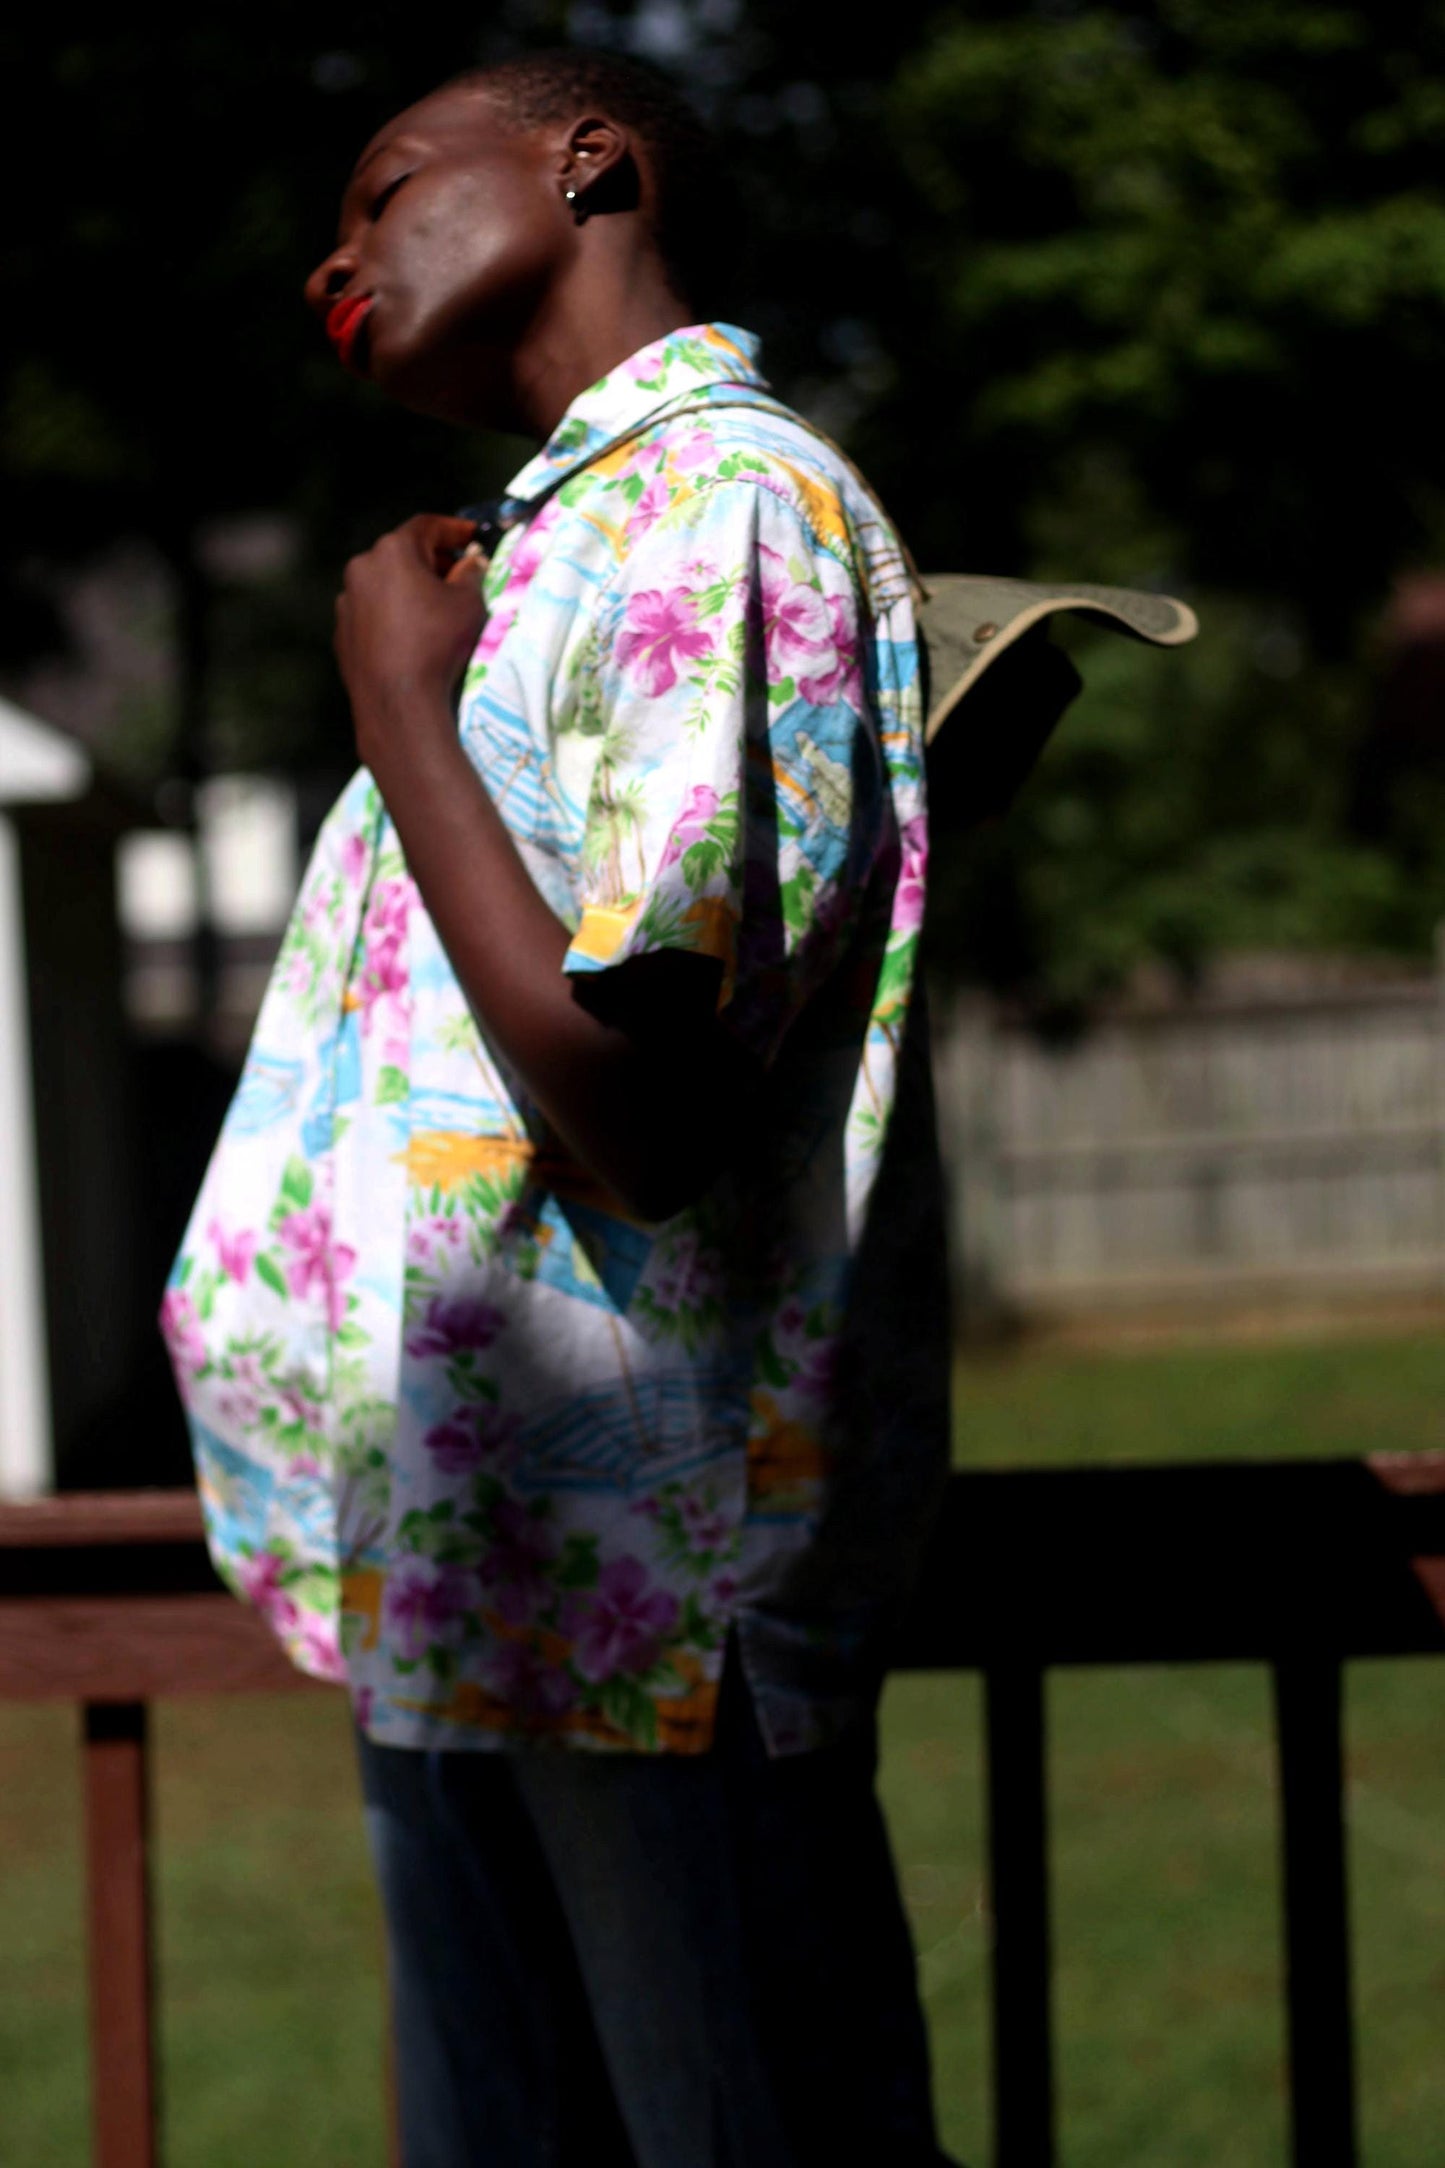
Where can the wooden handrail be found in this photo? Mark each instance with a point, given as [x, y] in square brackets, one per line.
[110, 1601]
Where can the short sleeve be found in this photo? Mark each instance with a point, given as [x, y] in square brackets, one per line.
[736, 797]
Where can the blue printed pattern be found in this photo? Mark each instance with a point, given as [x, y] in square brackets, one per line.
[503, 1459]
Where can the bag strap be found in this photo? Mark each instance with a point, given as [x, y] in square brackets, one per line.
[496, 516]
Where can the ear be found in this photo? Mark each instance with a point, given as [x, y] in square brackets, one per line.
[597, 163]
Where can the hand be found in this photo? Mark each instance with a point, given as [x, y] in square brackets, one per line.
[405, 631]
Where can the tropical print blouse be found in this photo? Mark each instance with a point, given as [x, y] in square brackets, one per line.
[505, 1460]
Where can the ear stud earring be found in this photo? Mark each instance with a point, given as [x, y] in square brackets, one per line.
[579, 208]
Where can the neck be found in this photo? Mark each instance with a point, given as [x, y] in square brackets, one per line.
[613, 303]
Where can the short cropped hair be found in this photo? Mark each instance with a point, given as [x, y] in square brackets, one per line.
[532, 89]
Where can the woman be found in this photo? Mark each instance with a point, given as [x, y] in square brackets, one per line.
[562, 1322]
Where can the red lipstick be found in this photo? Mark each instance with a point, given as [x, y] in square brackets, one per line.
[344, 321]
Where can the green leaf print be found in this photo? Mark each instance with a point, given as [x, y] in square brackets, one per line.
[661, 924]
[268, 1270]
[630, 1708]
[707, 601]
[467, 1380]
[714, 849]
[796, 895]
[577, 1566]
[896, 973]
[391, 1086]
[297, 1184]
[738, 463]
[697, 1627]
[782, 691]
[770, 1367]
[701, 861]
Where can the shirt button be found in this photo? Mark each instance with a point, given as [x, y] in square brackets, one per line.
[984, 632]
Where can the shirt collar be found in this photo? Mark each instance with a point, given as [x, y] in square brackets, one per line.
[656, 376]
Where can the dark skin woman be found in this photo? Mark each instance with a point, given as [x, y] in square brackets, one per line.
[465, 284]
[724, 1922]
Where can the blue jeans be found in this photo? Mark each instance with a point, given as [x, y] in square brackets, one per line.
[639, 1961]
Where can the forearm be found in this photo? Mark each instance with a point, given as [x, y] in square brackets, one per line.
[650, 1122]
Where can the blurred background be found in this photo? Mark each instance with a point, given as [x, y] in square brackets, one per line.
[1150, 294]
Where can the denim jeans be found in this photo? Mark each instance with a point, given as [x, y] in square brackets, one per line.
[634, 1961]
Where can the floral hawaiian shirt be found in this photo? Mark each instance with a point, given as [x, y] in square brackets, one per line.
[507, 1461]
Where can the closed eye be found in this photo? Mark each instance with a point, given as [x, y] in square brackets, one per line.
[380, 201]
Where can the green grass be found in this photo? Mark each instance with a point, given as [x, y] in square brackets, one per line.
[1167, 1979]
[268, 1933]
[1164, 1835]
[1215, 1401]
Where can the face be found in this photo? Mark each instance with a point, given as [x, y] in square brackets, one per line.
[453, 232]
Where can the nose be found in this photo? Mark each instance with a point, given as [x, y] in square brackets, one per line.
[329, 279]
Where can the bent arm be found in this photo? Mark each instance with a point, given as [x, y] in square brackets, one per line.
[650, 1094]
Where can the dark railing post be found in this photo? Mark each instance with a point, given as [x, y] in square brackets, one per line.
[1018, 1860]
[1317, 1941]
[123, 2089]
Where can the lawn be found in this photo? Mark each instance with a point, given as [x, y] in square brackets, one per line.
[1165, 1873]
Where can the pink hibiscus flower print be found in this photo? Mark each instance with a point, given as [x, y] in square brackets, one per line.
[234, 1250]
[182, 1330]
[353, 859]
[469, 1437]
[294, 1406]
[321, 1650]
[383, 975]
[650, 506]
[660, 631]
[238, 1407]
[836, 672]
[723, 1592]
[522, 566]
[908, 898]
[796, 626]
[623, 1622]
[685, 1275]
[425, 1604]
[383, 984]
[698, 808]
[808, 1351]
[317, 1264]
[260, 1579]
[696, 450]
[451, 1324]
[530, 1686]
[515, 1568]
[245, 1391]
[705, 1526]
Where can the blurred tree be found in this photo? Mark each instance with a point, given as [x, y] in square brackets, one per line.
[1149, 292]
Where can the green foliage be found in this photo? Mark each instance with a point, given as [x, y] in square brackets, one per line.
[1145, 292]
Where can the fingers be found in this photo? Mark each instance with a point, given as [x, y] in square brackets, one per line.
[469, 568]
[437, 538]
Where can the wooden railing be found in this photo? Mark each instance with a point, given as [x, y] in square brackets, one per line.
[110, 1602]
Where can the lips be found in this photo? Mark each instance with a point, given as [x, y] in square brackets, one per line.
[343, 324]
